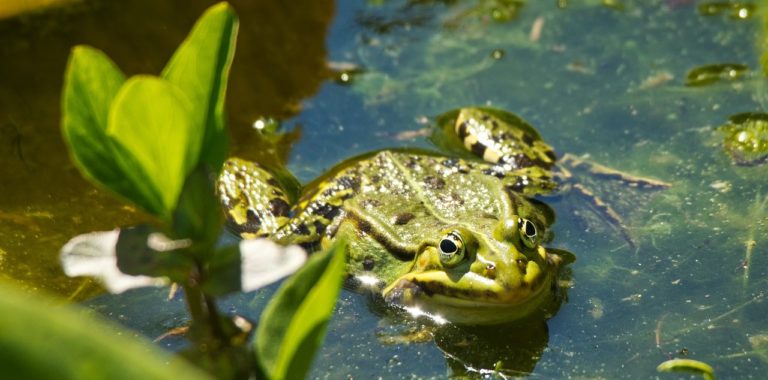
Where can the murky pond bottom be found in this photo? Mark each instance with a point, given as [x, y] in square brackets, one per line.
[606, 82]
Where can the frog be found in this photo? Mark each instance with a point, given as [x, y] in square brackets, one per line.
[456, 234]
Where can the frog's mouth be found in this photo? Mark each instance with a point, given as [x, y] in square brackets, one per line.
[473, 299]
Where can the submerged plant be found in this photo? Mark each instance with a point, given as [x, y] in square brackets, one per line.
[159, 142]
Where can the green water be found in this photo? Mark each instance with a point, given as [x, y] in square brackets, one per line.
[603, 81]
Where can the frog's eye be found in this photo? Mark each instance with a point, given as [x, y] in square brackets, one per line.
[451, 249]
[528, 232]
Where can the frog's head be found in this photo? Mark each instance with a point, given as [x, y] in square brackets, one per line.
[487, 274]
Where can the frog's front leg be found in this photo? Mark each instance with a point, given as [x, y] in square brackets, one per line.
[570, 184]
[255, 203]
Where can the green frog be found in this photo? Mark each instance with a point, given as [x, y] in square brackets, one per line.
[456, 236]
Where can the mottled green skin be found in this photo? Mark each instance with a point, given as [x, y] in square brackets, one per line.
[393, 207]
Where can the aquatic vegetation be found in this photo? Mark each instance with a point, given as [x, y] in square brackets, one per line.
[688, 365]
[735, 10]
[709, 74]
[745, 138]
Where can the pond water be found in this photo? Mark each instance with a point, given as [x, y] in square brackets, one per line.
[602, 79]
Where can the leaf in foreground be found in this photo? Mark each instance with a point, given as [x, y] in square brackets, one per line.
[151, 118]
[41, 341]
[293, 325]
[200, 68]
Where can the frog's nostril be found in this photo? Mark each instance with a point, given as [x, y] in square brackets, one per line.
[490, 271]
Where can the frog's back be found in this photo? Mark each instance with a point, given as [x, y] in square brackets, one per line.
[405, 193]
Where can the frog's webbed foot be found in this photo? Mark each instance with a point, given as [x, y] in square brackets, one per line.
[604, 189]
[255, 203]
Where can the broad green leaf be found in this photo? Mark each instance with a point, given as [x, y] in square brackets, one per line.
[293, 325]
[41, 340]
[91, 82]
[152, 119]
[200, 68]
[198, 213]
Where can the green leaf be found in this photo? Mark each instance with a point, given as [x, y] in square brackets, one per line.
[200, 68]
[152, 119]
[91, 82]
[40, 340]
[198, 213]
[293, 325]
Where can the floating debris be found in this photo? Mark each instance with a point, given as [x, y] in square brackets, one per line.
[266, 125]
[498, 54]
[746, 138]
[344, 72]
[536, 28]
[412, 134]
[506, 10]
[687, 365]
[709, 74]
[656, 80]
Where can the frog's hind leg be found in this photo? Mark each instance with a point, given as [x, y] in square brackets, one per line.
[605, 190]
[255, 203]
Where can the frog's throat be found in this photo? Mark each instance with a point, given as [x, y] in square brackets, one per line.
[473, 300]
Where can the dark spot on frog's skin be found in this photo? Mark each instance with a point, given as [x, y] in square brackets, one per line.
[494, 172]
[457, 198]
[277, 193]
[349, 183]
[528, 139]
[273, 182]
[462, 131]
[326, 210]
[478, 149]
[302, 229]
[279, 207]
[375, 179]
[363, 227]
[486, 117]
[252, 222]
[403, 218]
[523, 161]
[488, 215]
[368, 263]
[319, 226]
[490, 294]
[434, 183]
[551, 154]
[450, 163]
[252, 217]
[522, 265]
[370, 203]
[411, 163]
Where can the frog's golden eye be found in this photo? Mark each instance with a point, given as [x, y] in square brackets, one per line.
[451, 249]
[528, 232]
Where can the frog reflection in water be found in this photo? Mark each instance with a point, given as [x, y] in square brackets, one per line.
[454, 237]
